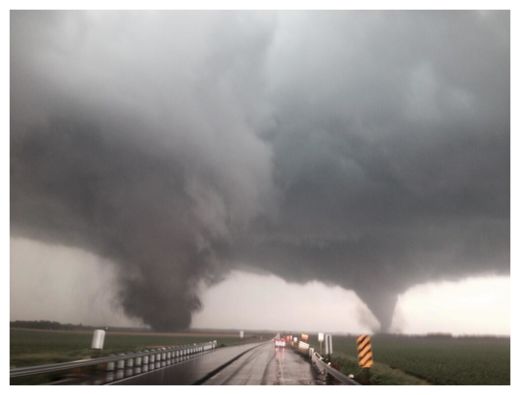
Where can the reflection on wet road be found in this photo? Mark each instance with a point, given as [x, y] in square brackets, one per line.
[258, 363]
[189, 371]
[266, 365]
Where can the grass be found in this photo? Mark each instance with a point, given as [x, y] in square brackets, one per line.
[379, 373]
[35, 347]
[398, 359]
[430, 359]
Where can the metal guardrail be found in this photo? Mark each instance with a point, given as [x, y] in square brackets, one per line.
[317, 359]
[158, 357]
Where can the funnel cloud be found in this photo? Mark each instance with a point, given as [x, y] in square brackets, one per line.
[368, 150]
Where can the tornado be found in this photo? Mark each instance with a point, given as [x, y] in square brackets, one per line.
[369, 150]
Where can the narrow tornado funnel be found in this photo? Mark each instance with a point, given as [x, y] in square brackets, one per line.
[382, 305]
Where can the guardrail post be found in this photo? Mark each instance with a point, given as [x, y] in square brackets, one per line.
[110, 367]
[146, 361]
[120, 364]
[152, 360]
[137, 364]
[158, 358]
[129, 364]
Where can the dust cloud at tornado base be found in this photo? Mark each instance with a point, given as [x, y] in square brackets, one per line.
[368, 150]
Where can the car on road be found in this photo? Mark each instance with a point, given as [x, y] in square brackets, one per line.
[279, 342]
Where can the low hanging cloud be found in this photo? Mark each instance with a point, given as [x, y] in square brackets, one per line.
[368, 150]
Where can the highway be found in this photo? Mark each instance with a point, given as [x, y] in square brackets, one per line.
[266, 365]
[258, 363]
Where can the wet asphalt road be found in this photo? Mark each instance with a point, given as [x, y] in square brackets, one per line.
[258, 363]
[266, 365]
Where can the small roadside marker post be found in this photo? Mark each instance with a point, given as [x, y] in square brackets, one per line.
[365, 357]
[98, 339]
[320, 340]
[328, 345]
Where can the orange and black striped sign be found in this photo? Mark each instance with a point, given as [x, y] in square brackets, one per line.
[364, 349]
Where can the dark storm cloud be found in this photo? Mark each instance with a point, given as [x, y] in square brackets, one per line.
[369, 150]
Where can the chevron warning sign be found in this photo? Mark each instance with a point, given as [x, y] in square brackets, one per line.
[364, 348]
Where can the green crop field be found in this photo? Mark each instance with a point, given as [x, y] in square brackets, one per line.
[34, 347]
[429, 359]
[398, 359]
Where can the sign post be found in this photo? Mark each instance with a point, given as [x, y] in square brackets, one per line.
[365, 357]
[328, 345]
[320, 340]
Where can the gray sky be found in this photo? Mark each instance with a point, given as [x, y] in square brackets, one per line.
[69, 285]
[364, 150]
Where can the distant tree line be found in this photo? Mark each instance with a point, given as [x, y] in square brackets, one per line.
[44, 324]
[47, 325]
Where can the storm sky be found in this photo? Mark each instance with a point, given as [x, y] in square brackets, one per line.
[363, 150]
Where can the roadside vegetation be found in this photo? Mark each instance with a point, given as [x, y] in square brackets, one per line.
[429, 359]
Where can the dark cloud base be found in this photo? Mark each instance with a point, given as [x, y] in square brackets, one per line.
[364, 149]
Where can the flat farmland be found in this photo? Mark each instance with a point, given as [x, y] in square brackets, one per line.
[34, 346]
[430, 359]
